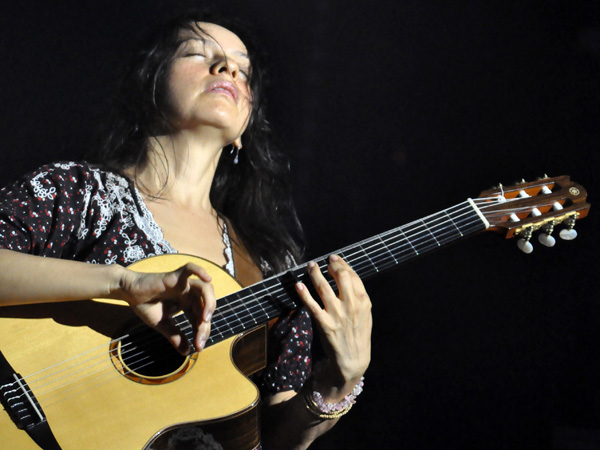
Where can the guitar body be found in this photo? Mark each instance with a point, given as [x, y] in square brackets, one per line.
[93, 400]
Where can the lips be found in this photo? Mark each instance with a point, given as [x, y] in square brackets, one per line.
[224, 87]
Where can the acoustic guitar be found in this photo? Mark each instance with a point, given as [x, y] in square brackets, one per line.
[88, 375]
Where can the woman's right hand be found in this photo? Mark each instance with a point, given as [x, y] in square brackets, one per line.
[155, 297]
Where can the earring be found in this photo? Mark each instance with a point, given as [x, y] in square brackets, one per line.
[235, 148]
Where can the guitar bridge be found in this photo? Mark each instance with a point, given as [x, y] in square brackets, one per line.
[20, 403]
[23, 408]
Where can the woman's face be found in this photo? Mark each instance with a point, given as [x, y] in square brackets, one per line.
[207, 87]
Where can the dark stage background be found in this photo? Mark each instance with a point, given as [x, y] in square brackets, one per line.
[391, 111]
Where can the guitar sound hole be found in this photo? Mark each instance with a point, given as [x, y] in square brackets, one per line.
[145, 356]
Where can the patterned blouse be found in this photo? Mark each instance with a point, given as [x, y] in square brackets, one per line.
[77, 211]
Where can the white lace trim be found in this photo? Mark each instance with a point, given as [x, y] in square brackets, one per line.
[115, 198]
[229, 265]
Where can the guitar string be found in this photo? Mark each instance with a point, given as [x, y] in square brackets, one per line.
[102, 346]
[189, 330]
[409, 224]
[101, 377]
[232, 306]
[378, 237]
[385, 250]
[346, 256]
[349, 256]
[133, 368]
[40, 393]
[232, 329]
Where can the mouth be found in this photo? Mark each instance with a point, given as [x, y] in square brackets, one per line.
[225, 88]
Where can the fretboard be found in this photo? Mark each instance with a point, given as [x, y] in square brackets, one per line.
[257, 304]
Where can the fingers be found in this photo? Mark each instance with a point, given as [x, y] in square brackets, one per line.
[156, 297]
[174, 335]
[345, 320]
[351, 297]
[348, 282]
[345, 277]
[179, 278]
[201, 306]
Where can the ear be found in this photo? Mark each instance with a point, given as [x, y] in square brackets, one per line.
[238, 143]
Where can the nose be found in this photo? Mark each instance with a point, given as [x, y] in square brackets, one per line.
[224, 65]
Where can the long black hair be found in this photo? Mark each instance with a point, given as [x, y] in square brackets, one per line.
[253, 195]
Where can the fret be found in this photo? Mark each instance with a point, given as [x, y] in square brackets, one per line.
[430, 232]
[452, 222]
[254, 306]
[227, 312]
[387, 250]
[183, 323]
[419, 238]
[369, 258]
[405, 237]
[240, 309]
[443, 229]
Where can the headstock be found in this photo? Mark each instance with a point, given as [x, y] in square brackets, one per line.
[524, 208]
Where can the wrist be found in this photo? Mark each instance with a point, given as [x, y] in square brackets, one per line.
[331, 384]
[115, 282]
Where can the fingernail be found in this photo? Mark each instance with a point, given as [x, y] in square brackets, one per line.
[311, 265]
[299, 286]
[207, 316]
[333, 257]
[202, 343]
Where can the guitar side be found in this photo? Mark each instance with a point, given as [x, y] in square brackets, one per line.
[89, 404]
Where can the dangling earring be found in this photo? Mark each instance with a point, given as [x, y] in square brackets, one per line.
[235, 148]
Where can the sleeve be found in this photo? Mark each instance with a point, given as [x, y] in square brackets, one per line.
[289, 357]
[40, 213]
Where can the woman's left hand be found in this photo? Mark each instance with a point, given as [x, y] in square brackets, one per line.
[345, 321]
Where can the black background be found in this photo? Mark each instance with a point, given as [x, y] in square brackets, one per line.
[391, 110]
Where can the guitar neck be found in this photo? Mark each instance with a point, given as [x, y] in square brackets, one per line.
[257, 304]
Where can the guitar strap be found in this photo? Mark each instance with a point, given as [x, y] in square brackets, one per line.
[38, 430]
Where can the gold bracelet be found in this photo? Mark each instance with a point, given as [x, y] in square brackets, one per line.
[314, 409]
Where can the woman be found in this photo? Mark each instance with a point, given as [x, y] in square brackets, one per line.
[186, 167]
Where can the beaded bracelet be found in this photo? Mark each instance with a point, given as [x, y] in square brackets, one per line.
[318, 407]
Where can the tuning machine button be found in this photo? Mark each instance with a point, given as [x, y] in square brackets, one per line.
[545, 237]
[524, 245]
[569, 233]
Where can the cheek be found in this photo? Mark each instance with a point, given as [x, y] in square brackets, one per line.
[179, 92]
[246, 102]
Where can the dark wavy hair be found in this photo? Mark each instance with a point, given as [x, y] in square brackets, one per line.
[253, 195]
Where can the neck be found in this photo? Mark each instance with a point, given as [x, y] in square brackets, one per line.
[180, 169]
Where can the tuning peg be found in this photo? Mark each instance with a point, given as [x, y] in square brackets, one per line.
[569, 233]
[524, 245]
[545, 238]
